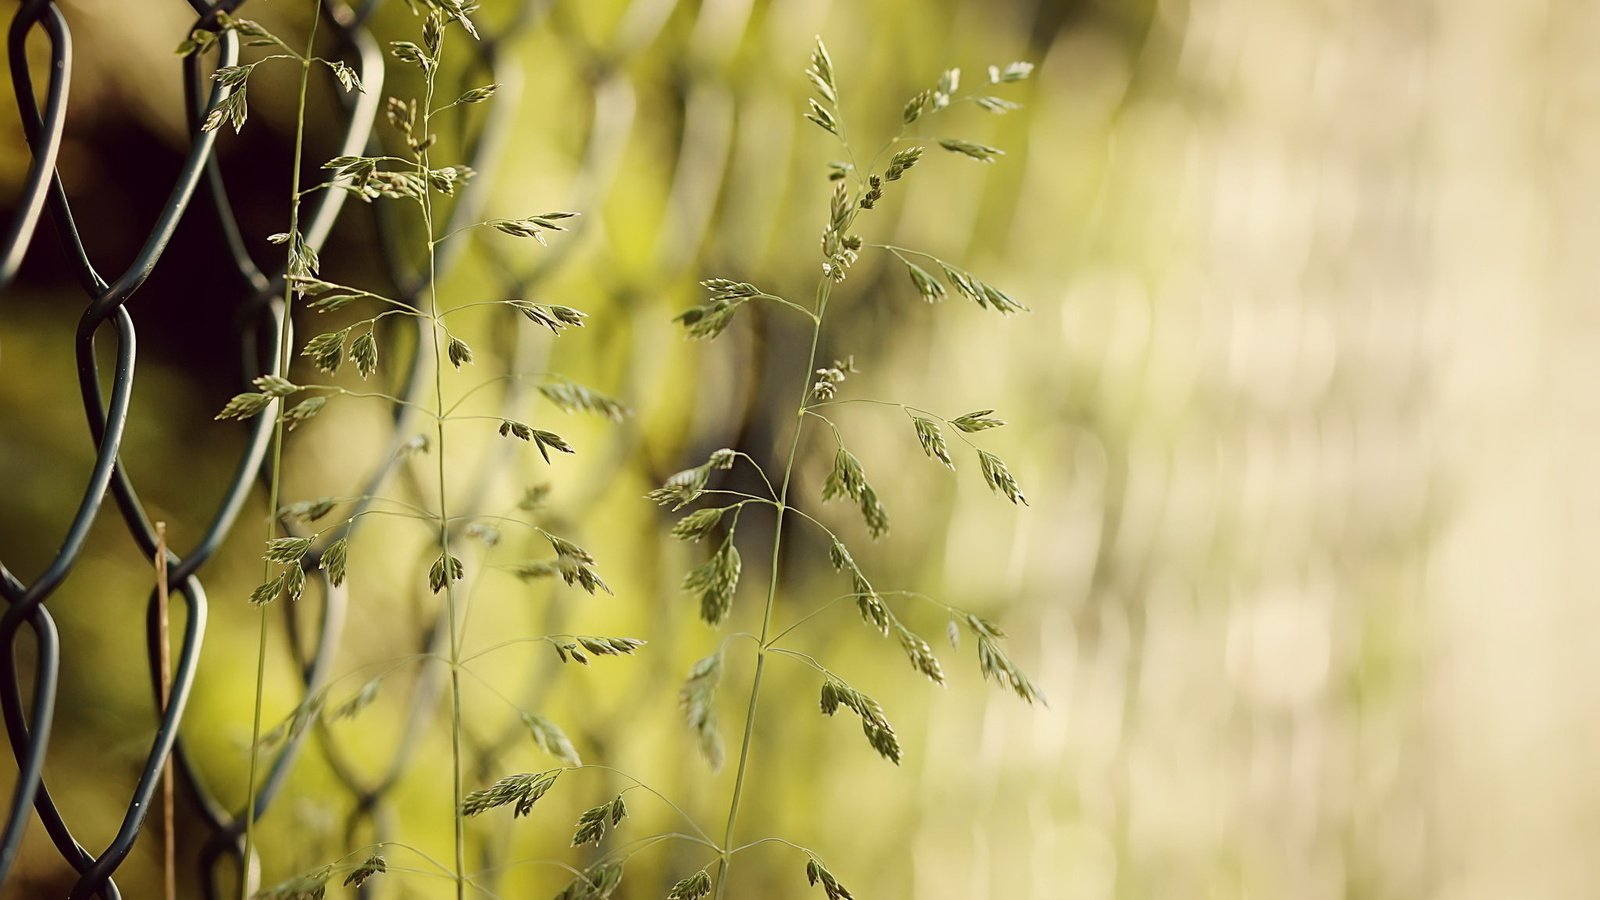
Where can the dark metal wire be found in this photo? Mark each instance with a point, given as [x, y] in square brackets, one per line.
[314, 635]
[107, 411]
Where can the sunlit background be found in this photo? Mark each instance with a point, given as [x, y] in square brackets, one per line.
[1302, 412]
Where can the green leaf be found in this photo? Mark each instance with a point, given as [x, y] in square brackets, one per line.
[478, 94]
[234, 108]
[998, 300]
[996, 665]
[268, 592]
[929, 287]
[364, 353]
[698, 701]
[518, 430]
[533, 498]
[549, 440]
[901, 163]
[880, 734]
[999, 478]
[273, 386]
[715, 581]
[916, 106]
[873, 612]
[593, 822]
[244, 406]
[374, 865]
[682, 488]
[821, 72]
[310, 886]
[401, 114]
[920, 653]
[307, 510]
[307, 712]
[1016, 71]
[303, 410]
[698, 524]
[332, 302]
[816, 873]
[824, 119]
[979, 152]
[549, 737]
[973, 422]
[532, 226]
[555, 318]
[522, 790]
[997, 105]
[346, 75]
[408, 52]
[847, 480]
[327, 350]
[303, 261]
[198, 41]
[932, 440]
[599, 646]
[287, 549]
[444, 570]
[483, 531]
[567, 549]
[361, 700]
[333, 560]
[294, 582]
[707, 321]
[449, 179]
[598, 882]
[692, 888]
[572, 397]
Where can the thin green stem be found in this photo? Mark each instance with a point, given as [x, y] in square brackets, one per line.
[903, 407]
[276, 477]
[395, 514]
[292, 53]
[899, 251]
[436, 335]
[724, 863]
[333, 288]
[760, 471]
[542, 639]
[511, 376]
[704, 838]
[462, 229]
[832, 427]
[371, 395]
[477, 303]
[809, 616]
[805, 658]
[789, 303]
[772, 840]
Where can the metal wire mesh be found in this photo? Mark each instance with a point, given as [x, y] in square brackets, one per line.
[108, 316]
[106, 411]
[709, 156]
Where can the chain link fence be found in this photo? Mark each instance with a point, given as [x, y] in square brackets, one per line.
[708, 157]
[1252, 337]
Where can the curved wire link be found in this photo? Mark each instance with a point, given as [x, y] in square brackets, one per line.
[705, 156]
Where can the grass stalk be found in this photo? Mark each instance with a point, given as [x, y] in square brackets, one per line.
[276, 475]
[724, 862]
[437, 334]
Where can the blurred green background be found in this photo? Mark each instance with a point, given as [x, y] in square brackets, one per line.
[1300, 409]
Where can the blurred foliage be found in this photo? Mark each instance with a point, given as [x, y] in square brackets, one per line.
[1280, 495]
